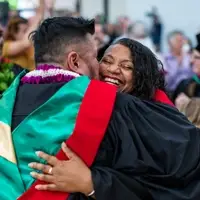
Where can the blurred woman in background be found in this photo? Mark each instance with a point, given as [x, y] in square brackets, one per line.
[8, 70]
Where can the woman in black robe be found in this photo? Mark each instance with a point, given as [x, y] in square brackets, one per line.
[150, 150]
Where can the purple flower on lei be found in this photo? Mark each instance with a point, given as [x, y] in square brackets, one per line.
[37, 78]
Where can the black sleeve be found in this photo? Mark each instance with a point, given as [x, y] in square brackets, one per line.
[113, 184]
[151, 156]
[150, 151]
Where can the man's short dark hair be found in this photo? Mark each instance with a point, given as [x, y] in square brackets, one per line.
[54, 35]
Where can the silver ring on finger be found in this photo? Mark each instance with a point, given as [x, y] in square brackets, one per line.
[50, 170]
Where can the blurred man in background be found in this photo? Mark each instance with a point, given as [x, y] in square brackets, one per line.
[176, 61]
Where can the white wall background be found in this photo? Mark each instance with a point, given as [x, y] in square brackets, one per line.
[90, 8]
[117, 8]
[59, 4]
[175, 14]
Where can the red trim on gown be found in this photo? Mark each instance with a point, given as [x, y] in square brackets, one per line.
[161, 97]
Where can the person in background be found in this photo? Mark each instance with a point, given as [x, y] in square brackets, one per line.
[4, 12]
[102, 40]
[17, 47]
[156, 28]
[110, 30]
[100, 37]
[140, 33]
[124, 22]
[187, 46]
[1, 39]
[187, 94]
[8, 70]
[122, 28]
[156, 32]
[49, 8]
[176, 62]
[99, 19]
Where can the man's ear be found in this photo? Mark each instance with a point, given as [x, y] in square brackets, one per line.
[73, 61]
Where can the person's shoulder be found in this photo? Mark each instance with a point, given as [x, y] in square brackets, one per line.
[127, 107]
[124, 100]
[124, 96]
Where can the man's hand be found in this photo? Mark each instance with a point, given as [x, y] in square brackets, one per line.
[65, 176]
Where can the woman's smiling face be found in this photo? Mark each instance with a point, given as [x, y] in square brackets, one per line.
[116, 68]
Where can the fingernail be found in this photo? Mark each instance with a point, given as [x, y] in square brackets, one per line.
[37, 153]
[32, 173]
[30, 164]
[36, 187]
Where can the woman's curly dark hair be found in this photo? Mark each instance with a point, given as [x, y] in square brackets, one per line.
[148, 70]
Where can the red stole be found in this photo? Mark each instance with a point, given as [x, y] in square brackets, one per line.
[161, 97]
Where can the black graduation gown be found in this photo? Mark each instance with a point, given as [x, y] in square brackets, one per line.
[150, 150]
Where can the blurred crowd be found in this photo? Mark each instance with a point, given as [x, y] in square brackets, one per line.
[180, 64]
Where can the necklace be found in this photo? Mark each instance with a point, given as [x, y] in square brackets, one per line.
[46, 73]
